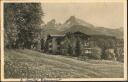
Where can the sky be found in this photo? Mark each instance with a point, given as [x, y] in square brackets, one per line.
[103, 14]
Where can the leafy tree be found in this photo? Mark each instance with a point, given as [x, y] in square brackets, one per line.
[104, 42]
[77, 49]
[22, 23]
[96, 53]
[10, 31]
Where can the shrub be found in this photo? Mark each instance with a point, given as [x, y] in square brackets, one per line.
[109, 54]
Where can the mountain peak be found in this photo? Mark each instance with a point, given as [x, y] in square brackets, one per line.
[76, 21]
[72, 21]
[51, 23]
[72, 18]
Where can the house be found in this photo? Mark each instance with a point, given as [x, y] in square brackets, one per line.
[70, 43]
[53, 43]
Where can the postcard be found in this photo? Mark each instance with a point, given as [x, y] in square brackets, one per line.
[63, 40]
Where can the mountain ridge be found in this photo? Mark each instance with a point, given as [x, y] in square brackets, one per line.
[74, 24]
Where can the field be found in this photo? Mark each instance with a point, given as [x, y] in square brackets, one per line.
[30, 64]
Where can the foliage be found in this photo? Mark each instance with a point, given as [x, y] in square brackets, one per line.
[104, 42]
[110, 54]
[78, 49]
[96, 53]
[22, 24]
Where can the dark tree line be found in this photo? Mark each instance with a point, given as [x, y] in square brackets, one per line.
[22, 23]
[109, 42]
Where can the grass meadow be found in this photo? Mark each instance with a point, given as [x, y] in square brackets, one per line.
[32, 64]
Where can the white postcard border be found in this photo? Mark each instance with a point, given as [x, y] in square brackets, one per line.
[67, 1]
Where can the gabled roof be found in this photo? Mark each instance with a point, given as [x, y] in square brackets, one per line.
[58, 37]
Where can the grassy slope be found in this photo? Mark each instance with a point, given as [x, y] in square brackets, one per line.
[42, 65]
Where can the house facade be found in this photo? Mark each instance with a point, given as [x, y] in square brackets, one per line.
[70, 43]
[53, 43]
